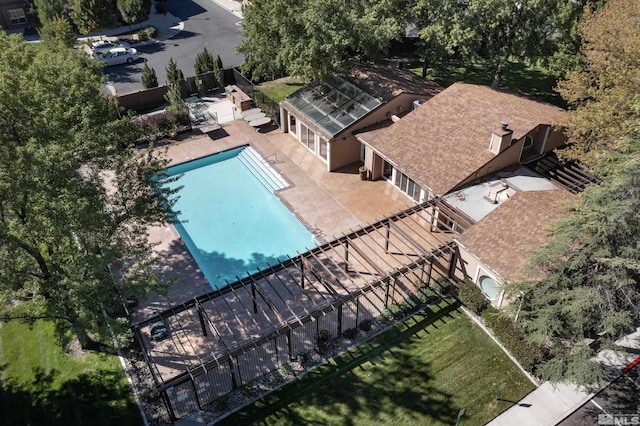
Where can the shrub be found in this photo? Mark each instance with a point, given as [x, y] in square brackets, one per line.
[161, 124]
[513, 338]
[471, 296]
[365, 325]
[147, 33]
[323, 335]
[350, 333]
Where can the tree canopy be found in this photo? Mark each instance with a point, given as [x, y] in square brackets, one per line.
[91, 15]
[314, 38]
[591, 269]
[604, 89]
[75, 196]
[134, 11]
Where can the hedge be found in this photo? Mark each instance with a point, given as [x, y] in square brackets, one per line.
[513, 338]
[472, 297]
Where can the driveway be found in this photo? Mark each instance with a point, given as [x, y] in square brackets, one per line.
[205, 25]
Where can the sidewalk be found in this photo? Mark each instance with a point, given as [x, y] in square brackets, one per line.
[549, 404]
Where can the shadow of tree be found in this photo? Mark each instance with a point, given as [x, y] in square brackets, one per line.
[99, 398]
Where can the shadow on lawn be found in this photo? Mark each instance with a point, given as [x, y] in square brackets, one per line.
[99, 398]
[381, 378]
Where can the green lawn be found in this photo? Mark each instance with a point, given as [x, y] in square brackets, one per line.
[517, 76]
[281, 88]
[420, 372]
[41, 384]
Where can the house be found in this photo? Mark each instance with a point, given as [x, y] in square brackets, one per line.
[459, 135]
[324, 115]
[496, 250]
[13, 15]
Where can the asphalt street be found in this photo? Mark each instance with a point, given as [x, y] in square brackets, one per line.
[205, 25]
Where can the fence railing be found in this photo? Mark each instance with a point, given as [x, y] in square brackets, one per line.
[270, 107]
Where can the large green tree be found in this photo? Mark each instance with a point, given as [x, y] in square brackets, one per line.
[314, 38]
[75, 196]
[91, 15]
[591, 271]
[57, 32]
[604, 89]
[47, 10]
[134, 11]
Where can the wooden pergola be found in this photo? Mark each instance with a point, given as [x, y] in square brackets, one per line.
[228, 337]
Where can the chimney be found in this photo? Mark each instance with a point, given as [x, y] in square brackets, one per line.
[500, 138]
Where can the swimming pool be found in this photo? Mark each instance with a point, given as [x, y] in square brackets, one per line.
[232, 223]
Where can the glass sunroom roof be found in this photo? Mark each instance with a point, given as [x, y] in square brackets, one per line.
[333, 104]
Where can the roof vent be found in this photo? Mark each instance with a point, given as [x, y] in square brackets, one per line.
[418, 102]
[494, 192]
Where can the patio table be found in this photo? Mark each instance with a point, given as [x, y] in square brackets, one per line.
[254, 116]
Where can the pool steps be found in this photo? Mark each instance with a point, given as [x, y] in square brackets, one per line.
[266, 175]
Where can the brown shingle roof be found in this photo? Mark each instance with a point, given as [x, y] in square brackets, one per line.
[447, 139]
[504, 238]
[386, 83]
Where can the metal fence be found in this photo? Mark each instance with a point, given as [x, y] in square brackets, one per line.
[270, 107]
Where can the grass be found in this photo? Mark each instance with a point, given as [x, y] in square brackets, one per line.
[517, 76]
[280, 88]
[42, 384]
[422, 371]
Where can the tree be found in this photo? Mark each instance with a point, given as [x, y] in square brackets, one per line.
[263, 23]
[204, 62]
[315, 38]
[91, 15]
[174, 74]
[75, 196]
[149, 78]
[134, 11]
[57, 32]
[47, 10]
[218, 71]
[591, 271]
[433, 19]
[496, 31]
[174, 97]
[603, 91]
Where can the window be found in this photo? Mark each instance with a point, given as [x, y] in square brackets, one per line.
[307, 137]
[489, 287]
[408, 186]
[292, 124]
[17, 16]
[323, 148]
[528, 143]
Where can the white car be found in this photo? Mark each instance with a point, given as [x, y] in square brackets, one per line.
[103, 46]
[119, 55]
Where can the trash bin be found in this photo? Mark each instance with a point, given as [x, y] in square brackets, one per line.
[364, 173]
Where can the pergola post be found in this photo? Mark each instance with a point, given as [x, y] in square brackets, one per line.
[253, 297]
[201, 318]
[346, 255]
[388, 236]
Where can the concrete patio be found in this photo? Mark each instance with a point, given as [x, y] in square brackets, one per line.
[329, 204]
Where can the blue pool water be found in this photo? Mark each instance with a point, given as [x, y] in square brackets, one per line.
[231, 223]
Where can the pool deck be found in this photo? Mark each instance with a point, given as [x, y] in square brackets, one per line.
[328, 203]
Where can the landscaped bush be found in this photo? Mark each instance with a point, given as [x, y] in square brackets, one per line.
[159, 125]
[513, 338]
[471, 296]
[350, 333]
[365, 325]
[147, 33]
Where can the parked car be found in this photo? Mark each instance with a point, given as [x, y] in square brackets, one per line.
[119, 55]
[103, 46]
